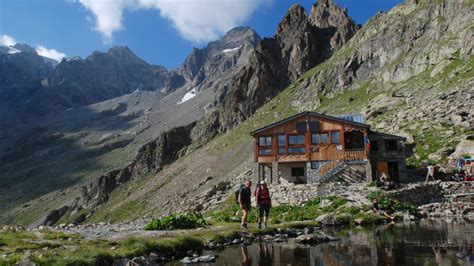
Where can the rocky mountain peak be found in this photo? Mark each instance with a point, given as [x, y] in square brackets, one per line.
[333, 21]
[125, 55]
[24, 48]
[294, 17]
[234, 40]
[240, 35]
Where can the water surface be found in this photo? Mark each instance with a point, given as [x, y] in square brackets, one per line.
[423, 243]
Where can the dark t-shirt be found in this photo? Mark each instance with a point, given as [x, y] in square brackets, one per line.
[245, 195]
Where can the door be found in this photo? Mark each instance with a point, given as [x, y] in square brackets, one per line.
[393, 171]
[382, 167]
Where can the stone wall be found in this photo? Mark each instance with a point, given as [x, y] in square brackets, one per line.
[312, 174]
[425, 193]
[292, 194]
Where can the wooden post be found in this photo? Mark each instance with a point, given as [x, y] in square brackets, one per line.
[255, 150]
[275, 147]
[307, 139]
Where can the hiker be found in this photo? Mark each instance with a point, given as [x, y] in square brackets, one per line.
[264, 203]
[430, 173]
[244, 200]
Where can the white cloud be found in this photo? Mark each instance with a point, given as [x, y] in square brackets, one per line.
[49, 53]
[6, 40]
[195, 20]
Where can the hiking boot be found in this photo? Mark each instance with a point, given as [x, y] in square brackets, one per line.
[244, 226]
[259, 226]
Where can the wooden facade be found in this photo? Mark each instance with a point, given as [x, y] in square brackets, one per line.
[311, 147]
[321, 139]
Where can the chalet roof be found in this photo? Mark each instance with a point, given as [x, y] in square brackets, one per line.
[336, 119]
[386, 135]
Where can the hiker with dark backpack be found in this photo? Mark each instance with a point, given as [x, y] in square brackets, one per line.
[245, 194]
[264, 203]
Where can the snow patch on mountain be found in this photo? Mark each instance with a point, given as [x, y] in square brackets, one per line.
[231, 50]
[188, 96]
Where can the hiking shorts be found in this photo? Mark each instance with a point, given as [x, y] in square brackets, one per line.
[264, 210]
[246, 206]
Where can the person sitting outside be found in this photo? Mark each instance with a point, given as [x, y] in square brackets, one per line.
[245, 194]
[264, 203]
[381, 211]
[386, 181]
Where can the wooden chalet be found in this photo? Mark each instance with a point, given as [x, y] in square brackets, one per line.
[312, 148]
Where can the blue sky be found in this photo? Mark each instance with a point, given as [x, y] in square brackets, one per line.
[160, 31]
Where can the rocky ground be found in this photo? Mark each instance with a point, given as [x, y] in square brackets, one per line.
[435, 199]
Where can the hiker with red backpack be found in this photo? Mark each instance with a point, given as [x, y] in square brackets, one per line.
[264, 203]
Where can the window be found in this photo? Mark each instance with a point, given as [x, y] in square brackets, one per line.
[281, 151]
[295, 139]
[281, 140]
[296, 150]
[265, 141]
[314, 126]
[319, 138]
[297, 171]
[391, 145]
[301, 127]
[314, 165]
[265, 152]
[335, 137]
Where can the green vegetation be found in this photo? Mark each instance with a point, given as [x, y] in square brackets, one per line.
[389, 204]
[334, 206]
[178, 221]
[57, 248]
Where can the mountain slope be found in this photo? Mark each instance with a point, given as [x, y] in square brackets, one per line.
[444, 93]
[409, 71]
[69, 147]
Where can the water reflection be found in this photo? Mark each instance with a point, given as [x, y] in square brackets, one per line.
[425, 243]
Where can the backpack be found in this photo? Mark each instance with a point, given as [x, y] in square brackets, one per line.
[237, 193]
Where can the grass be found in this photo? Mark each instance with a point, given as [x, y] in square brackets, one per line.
[44, 245]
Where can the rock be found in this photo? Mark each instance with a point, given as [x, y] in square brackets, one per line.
[311, 239]
[465, 146]
[308, 230]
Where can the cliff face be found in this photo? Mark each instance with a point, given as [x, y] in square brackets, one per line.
[300, 43]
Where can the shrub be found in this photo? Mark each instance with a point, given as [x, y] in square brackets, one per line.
[389, 204]
[177, 221]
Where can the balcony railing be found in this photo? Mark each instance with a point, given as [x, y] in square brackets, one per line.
[353, 155]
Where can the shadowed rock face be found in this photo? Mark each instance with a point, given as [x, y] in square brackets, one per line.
[334, 22]
[301, 42]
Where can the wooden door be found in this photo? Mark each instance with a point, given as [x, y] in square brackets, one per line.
[382, 167]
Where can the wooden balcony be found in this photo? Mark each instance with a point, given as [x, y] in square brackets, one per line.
[353, 155]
